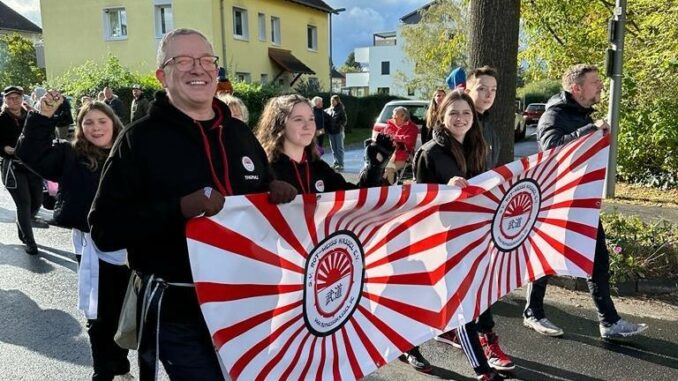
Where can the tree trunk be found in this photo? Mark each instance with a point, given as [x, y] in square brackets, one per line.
[493, 41]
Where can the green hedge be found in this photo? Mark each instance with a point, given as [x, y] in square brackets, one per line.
[538, 92]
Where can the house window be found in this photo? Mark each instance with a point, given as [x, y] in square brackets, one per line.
[243, 77]
[164, 22]
[240, 23]
[115, 23]
[383, 90]
[275, 30]
[385, 68]
[312, 37]
[264, 79]
[262, 27]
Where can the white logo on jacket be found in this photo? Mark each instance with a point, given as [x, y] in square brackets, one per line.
[248, 163]
[320, 186]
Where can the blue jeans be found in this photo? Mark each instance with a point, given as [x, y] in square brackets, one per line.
[337, 145]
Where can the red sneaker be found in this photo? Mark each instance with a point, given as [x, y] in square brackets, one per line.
[496, 357]
[450, 338]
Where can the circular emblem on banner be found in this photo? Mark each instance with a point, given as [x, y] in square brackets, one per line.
[320, 186]
[516, 215]
[333, 282]
[248, 163]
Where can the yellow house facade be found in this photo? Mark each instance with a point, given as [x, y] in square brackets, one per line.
[256, 40]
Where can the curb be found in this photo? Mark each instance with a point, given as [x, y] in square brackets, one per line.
[628, 288]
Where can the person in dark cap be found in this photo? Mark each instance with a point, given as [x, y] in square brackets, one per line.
[23, 185]
[140, 104]
[224, 86]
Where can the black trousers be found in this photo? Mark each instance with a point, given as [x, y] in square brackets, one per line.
[108, 359]
[599, 287]
[486, 322]
[25, 187]
[470, 343]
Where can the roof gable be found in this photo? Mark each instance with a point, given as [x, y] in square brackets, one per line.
[12, 20]
[317, 4]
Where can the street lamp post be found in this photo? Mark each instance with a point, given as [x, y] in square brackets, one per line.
[335, 12]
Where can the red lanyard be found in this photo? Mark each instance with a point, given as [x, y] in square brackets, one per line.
[225, 187]
[306, 189]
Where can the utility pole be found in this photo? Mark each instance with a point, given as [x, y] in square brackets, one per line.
[614, 65]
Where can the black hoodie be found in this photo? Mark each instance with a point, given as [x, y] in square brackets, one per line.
[563, 121]
[154, 162]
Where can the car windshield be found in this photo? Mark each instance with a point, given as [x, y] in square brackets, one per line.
[417, 113]
[535, 108]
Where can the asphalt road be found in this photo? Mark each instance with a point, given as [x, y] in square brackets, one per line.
[43, 335]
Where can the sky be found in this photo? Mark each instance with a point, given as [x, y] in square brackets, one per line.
[352, 28]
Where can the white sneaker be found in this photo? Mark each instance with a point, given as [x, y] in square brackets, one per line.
[543, 326]
[622, 328]
[124, 377]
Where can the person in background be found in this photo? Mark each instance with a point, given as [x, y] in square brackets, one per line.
[77, 167]
[568, 117]
[113, 101]
[322, 121]
[100, 96]
[236, 106]
[336, 131]
[457, 152]
[23, 185]
[177, 163]
[404, 134]
[431, 115]
[84, 100]
[224, 86]
[140, 104]
[63, 118]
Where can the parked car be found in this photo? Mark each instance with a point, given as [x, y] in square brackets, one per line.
[533, 112]
[417, 111]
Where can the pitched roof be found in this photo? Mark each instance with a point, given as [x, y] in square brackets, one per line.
[12, 20]
[287, 61]
[317, 4]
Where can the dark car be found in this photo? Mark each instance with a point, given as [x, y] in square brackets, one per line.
[533, 112]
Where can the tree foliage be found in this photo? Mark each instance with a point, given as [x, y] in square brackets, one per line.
[436, 44]
[350, 66]
[559, 33]
[18, 65]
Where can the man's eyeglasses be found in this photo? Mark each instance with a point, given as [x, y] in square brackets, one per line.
[186, 63]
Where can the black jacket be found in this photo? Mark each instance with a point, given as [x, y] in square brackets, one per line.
[338, 119]
[10, 129]
[57, 161]
[156, 161]
[563, 121]
[116, 104]
[139, 108]
[322, 119]
[492, 140]
[434, 162]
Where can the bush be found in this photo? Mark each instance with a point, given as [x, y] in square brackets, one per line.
[640, 250]
[538, 92]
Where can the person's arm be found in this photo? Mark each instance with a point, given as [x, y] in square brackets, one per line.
[552, 130]
[341, 118]
[36, 149]
[146, 105]
[125, 210]
[410, 138]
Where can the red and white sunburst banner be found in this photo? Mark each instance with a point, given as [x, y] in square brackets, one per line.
[334, 286]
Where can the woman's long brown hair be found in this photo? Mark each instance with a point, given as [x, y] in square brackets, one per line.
[84, 148]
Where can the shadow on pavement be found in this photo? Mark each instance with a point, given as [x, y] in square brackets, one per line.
[437, 373]
[52, 333]
[533, 371]
[15, 255]
[65, 259]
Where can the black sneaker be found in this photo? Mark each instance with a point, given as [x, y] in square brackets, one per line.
[31, 249]
[416, 360]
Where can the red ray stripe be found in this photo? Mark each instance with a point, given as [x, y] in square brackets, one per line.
[470, 191]
[589, 203]
[223, 292]
[401, 228]
[594, 149]
[335, 360]
[546, 266]
[493, 277]
[501, 274]
[481, 287]
[393, 336]
[362, 198]
[210, 233]
[275, 360]
[310, 206]
[357, 372]
[295, 360]
[503, 187]
[525, 162]
[580, 260]
[489, 194]
[339, 198]
[427, 243]
[319, 373]
[462, 291]
[376, 357]
[585, 230]
[504, 172]
[353, 224]
[559, 157]
[404, 196]
[246, 358]
[278, 222]
[528, 264]
[519, 282]
[224, 335]
[541, 170]
[304, 371]
[592, 176]
[429, 278]
[460, 206]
